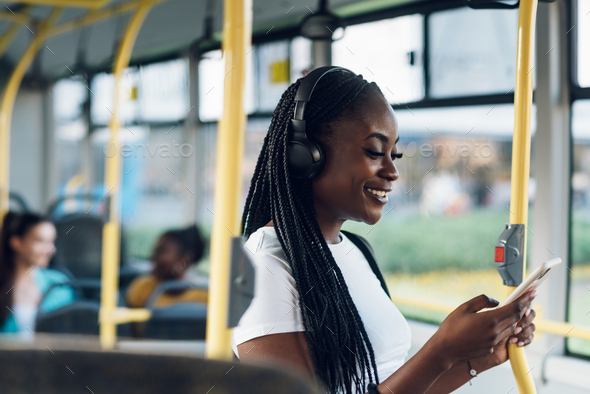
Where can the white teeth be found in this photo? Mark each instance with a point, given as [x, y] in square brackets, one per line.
[379, 193]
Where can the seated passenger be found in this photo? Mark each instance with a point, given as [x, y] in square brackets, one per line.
[26, 247]
[175, 252]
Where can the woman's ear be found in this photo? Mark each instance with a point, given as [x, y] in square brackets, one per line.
[180, 266]
[15, 243]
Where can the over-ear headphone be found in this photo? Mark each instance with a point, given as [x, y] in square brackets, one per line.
[306, 156]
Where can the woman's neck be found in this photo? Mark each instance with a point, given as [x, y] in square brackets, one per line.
[22, 270]
[329, 222]
[330, 230]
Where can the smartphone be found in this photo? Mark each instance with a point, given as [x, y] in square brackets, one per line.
[533, 280]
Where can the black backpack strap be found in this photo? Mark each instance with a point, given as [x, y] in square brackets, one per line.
[367, 250]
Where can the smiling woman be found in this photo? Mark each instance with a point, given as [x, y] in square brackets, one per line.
[26, 246]
[318, 305]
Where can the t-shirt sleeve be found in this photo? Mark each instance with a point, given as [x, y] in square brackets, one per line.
[275, 306]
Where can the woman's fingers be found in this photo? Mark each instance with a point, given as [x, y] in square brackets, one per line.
[528, 340]
[506, 333]
[524, 323]
[525, 336]
[528, 317]
[478, 303]
[466, 334]
[514, 312]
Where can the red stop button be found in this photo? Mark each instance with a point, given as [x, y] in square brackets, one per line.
[499, 256]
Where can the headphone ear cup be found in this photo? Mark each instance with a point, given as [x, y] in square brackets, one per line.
[317, 151]
[306, 157]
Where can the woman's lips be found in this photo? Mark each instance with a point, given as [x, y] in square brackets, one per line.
[382, 200]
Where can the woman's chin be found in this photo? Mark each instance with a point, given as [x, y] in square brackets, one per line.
[42, 264]
[372, 219]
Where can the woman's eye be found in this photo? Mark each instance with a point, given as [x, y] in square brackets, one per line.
[373, 153]
[380, 154]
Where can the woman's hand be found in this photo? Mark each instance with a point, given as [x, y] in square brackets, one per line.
[466, 334]
[524, 335]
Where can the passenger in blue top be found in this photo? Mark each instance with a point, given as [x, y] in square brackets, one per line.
[26, 247]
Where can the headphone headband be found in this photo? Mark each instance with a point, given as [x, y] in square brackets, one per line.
[307, 86]
[306, 156]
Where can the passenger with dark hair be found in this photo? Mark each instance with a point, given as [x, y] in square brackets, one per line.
[175, 252]
[26, 247]
[318, 305]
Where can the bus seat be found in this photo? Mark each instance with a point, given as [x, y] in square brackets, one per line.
[79, 317]
[79, 245]
[177, 321]
[69, 365]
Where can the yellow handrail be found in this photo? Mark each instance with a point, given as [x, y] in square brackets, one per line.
[98, 15]
[93, 16]
[521, 157]
[16, 17]
[237, 32]
[69, 3]
[7, 37]
[541, 325]
[8, 98]
[11, 32]
[110, 315]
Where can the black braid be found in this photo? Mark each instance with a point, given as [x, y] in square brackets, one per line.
[339, 345]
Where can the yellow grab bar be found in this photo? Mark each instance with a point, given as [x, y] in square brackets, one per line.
[521, 157]
[69, 3]
[95, 16]
[7, 38]
[237, 33]
[110, 315]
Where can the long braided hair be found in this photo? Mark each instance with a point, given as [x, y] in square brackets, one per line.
[338, 342]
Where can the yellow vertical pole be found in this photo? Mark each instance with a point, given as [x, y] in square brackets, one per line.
[7, 106]
[237, 33]
[111, 235]
[521, 157]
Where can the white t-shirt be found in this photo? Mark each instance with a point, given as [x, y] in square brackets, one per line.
[25, 316]
[275, 308]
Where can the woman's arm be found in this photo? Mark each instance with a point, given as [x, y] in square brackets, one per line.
[464, 335]
[458, 375]
[287, 349]
[291, 350]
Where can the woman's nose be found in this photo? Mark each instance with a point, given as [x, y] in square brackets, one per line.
[390, 171]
